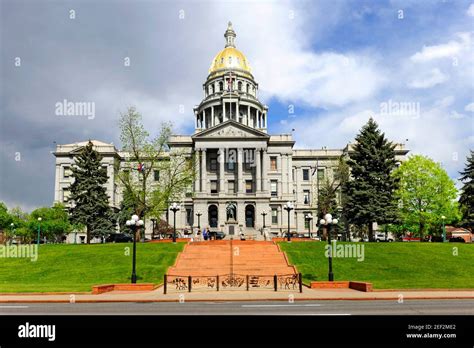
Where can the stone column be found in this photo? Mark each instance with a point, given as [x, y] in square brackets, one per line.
[212, 117]
[283, 174]
[224, 116]
[240, 183]
[297, 181]
[196, 121]
[290, 176]
[265, 171]
[204, 118]
[258, 171]
[197, 182]
[221, 169]
[57, 191]
[258, 118]
[237, 113]
[247, 120]
[203, 171]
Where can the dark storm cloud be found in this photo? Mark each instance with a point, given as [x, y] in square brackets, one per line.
[82, 60]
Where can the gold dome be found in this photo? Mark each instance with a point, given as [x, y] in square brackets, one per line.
[229, 58]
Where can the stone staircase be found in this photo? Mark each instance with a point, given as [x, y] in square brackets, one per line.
[223, 257]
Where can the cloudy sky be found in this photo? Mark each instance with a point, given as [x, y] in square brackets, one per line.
[323, 67]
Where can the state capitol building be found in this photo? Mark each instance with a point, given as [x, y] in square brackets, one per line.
[242, 170]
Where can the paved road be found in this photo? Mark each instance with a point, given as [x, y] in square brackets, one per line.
[408, 307]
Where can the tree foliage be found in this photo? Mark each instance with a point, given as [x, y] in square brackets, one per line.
[144, 156]
[54, 223]
[466, 199]
[90, 203]
[369, 193]
[425, 194]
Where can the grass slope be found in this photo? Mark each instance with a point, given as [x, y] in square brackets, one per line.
[390, 265]
[78, 267]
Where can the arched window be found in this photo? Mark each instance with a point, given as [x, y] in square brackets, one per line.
[221, 86]
[240, 86]
[248, 88]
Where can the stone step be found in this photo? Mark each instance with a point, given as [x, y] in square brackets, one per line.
[214, 258]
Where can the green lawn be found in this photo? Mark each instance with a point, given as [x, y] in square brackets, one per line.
[78, 267]
[390, 265]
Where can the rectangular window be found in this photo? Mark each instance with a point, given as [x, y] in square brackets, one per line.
[274, 216]
[231, 186]
[213, 164]
[67, 172]
[189, 216]
[321, 174]
[248, 186]
[66, 195]
[156, 175]
[335, 173]
[305, 174]
[213, 186]
[274, 187]
[306, 196]
[231, 166]
[273, 163]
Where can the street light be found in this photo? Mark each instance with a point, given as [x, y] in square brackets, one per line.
[174, 208]
[134, 223]
[153, 221]
[328, 221]
[289, 207]
[39, 231]
[264, 213]
[309, 218]
[198, 214]
[444, 228]
[11, 228]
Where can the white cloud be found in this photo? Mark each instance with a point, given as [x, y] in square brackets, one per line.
[469, 107]
[445, 102]
[447, 50]
[286, 66]
[470, 10]
[433, 78]
[456, 115]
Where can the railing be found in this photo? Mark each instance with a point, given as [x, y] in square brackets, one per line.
[285, 282]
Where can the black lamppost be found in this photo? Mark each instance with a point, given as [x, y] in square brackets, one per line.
[39, 231]
[153, 222]
[309, 218]
[174, 208]
[12, 230]
[328, 221]
[134, 223]
[444, 228]
[198, 214]
[289, 207]
[264, 213]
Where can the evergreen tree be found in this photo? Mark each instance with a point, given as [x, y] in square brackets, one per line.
[369, 194]
[466, 200]
[127, 209]
[90, 201]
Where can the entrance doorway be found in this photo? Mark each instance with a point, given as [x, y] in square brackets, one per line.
[213, 215]
[249, 216]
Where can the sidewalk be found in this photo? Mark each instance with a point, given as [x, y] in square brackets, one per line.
[231, 295]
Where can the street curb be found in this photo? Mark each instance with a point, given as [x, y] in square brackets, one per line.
[388, 298]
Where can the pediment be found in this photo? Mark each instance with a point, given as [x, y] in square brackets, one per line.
[231, 129]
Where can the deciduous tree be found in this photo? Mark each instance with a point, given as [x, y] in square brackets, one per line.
[425, 194]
